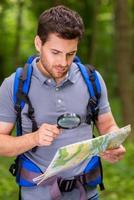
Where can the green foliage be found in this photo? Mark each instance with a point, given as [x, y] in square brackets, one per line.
[116, 109]
[8, 187]
[119, 178]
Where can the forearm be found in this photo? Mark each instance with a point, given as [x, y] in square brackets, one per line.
[13, 146]
[106, 123]
[108, 128]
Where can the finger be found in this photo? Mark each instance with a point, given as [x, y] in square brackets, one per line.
[48, 138]
[46, 143]
[48, 132]
[53, 129]
[118, 151]
[112, 158]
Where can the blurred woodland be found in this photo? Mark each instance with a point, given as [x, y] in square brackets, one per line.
[108, 45]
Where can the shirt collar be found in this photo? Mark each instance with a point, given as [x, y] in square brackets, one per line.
[71, 75]
[37, 73]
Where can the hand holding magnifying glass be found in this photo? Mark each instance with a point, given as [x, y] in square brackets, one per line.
[66, 121]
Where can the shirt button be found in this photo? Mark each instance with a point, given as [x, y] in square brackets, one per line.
[57, 89]
[49, 80]
[59, 100]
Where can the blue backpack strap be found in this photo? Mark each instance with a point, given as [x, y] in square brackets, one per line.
[25, 83]
[24, 74]
[21, 87]
[91, 79]
[27, 172]
[95, 165]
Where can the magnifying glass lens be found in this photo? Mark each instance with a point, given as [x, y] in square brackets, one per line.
[69, 121]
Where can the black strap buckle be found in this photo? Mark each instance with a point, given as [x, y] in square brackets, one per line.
[81, 178]
[13, 169]
[18, 108]
[95, 113]
[93, 101]
[66, 185]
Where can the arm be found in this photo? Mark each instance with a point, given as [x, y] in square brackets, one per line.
[105, 124]
[13, 146]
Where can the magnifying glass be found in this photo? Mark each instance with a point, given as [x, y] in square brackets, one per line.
[68, 121]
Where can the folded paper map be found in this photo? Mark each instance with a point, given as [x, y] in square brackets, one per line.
[71, 155]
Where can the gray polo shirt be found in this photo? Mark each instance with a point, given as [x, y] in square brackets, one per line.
[50, 101]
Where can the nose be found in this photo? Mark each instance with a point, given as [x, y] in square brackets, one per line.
[64, 61]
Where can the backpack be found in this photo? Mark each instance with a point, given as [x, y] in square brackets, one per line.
[22, 83]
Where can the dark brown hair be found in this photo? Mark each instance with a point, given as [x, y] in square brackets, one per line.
[61, 20]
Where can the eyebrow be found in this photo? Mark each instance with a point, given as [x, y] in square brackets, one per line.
[74, 51]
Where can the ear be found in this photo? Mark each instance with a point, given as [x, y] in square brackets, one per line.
[38, 43]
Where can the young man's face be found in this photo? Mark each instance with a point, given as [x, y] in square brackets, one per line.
[56, 55]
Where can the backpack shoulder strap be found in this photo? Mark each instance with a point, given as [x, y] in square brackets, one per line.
[22, 82]
[93, 84]
[91, 79]
[21, 87]
[23, 79]
[20, 90]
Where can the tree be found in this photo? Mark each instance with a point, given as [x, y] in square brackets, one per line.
[17, 43]
[90, 19]
[123, 55]
[3, 6]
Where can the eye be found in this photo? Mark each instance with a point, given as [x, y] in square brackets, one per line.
[71, 54]
[55, 52]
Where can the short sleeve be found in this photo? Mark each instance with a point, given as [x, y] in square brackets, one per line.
[7, 112]
[103, 105]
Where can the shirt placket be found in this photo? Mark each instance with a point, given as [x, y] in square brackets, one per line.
[59, 96]
[60, 102]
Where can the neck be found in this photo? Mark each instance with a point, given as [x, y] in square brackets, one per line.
[47, 74]
[42, 69]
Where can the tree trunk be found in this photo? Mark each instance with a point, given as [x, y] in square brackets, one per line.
[123, 55]
[2, 37]
[16, 52]
[92, 47]
[90, 19]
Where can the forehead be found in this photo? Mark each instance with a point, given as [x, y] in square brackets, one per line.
[55, 42]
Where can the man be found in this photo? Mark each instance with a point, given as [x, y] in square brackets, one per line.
[54, 91]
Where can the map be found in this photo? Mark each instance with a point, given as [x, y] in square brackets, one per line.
[71, 155]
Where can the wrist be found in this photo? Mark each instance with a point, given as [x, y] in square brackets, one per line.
[35, 138]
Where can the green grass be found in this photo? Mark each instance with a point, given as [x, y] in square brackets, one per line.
[118, 178]
[8, 188]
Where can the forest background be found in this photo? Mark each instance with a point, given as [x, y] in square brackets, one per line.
[108, 45]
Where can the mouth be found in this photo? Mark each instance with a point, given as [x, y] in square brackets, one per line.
[60, 69]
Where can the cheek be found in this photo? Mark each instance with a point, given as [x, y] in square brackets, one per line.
[71, 60]
[45, 60]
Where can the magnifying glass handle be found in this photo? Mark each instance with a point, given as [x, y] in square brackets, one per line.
[59, 127]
